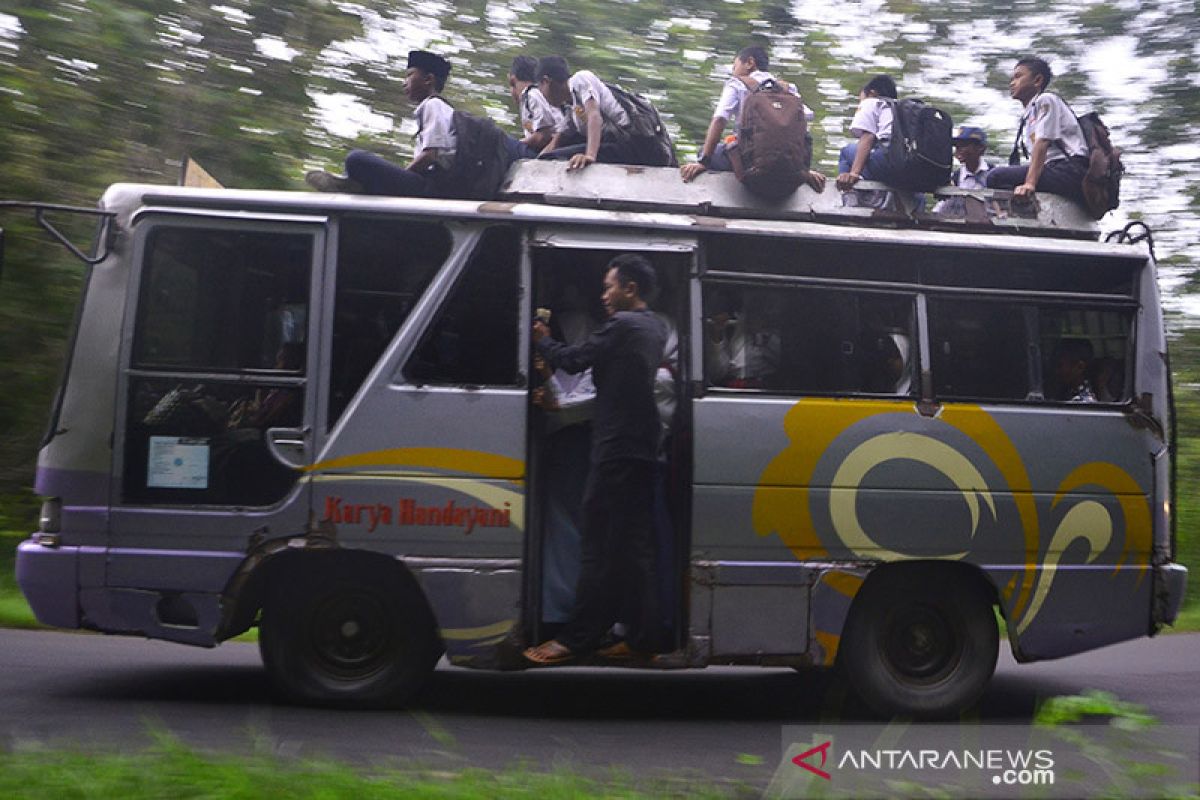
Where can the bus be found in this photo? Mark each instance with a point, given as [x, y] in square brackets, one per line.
[311, 413]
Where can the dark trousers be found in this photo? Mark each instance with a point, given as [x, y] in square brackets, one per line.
[616, 579]
[611, 152]
[377, 175]
[1063, 176]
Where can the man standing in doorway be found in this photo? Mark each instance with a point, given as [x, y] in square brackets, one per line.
[617, 572]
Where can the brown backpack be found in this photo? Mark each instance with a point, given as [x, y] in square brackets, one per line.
[1102, 183]
[773, 148]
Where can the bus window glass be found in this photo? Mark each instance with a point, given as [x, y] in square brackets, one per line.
[799, 340]
[980, 350]
[474, 340]
[221, 300]
[219, 357]
[1085, 354]
[384, 266]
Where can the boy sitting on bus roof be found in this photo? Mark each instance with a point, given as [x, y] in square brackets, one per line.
[1049, 135]
[539, 118]
[750, 63]
[586, 133]
[866, 158]
[369, 173]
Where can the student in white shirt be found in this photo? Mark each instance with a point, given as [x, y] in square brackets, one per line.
[368, 173]
[865, 159]
[1049, 134]
[539, 118]
[969, 146]
[590, 117]
[752, 63]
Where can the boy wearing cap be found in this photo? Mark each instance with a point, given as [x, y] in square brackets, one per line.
[750, 63]
[969, 146]
[1049, 135]
[369, 173]
[587, 106]
[539, 118]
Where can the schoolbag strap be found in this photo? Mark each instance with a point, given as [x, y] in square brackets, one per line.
[749, 82]
[1014, 158]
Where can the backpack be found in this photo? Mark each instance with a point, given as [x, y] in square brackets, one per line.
[773, 141]
[480, 160]
[1102, 182]
[919, 154]
[649, 141]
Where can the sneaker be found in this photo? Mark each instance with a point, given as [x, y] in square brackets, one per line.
[324, 181]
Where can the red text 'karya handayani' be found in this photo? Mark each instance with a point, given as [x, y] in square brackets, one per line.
[407, 512]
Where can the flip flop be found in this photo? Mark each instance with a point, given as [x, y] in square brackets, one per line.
[623, 653]
[549, 653]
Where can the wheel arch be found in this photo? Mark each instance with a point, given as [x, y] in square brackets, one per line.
[244, 595]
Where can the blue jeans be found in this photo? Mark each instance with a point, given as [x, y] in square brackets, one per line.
[876, 168]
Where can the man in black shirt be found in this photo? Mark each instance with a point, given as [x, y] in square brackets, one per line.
[617, 570]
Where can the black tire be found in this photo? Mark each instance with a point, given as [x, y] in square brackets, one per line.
[920, 642]
[350, 634]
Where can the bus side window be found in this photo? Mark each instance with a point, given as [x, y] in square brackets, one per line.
[799, 340]
[474, 339]
[979, 350]
[219, 357]
[1085, 354]
[384, 266]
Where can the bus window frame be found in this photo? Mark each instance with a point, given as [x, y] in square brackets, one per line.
[144, 223]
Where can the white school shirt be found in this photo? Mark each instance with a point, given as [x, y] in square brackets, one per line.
[584, 86]
[537, 112]
[963, 178]
[734, 93]
[1048, 117]
[435, 128]
[874, 115]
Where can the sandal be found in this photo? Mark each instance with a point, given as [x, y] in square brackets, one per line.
[622, 652]
[549, 653]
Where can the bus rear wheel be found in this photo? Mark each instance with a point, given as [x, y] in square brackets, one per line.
[349, 637]
[920, 643]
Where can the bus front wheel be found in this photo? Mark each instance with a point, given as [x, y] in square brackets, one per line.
[920, 642]
[351, 637]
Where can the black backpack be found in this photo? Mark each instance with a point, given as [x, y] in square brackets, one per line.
[649, 140]
[774, 149]
[920, 154]
[480, 160]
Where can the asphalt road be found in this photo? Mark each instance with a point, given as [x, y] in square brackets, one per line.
[90, 691]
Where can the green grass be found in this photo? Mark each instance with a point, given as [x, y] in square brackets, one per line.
[173, 770]
[14, 611]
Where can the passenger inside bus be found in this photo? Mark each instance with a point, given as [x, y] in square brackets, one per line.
[570, 291]
[741, 345]
[565, 401]
[1071, 361]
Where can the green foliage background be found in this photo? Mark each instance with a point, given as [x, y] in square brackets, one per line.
[98, 91]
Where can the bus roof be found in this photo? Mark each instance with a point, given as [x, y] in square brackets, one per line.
[655, 198]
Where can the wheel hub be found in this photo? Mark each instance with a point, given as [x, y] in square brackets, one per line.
[921, 644]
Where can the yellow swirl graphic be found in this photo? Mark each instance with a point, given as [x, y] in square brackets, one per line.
[474, 462]
[892, 446]
[1089, 521]
[781, 499]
